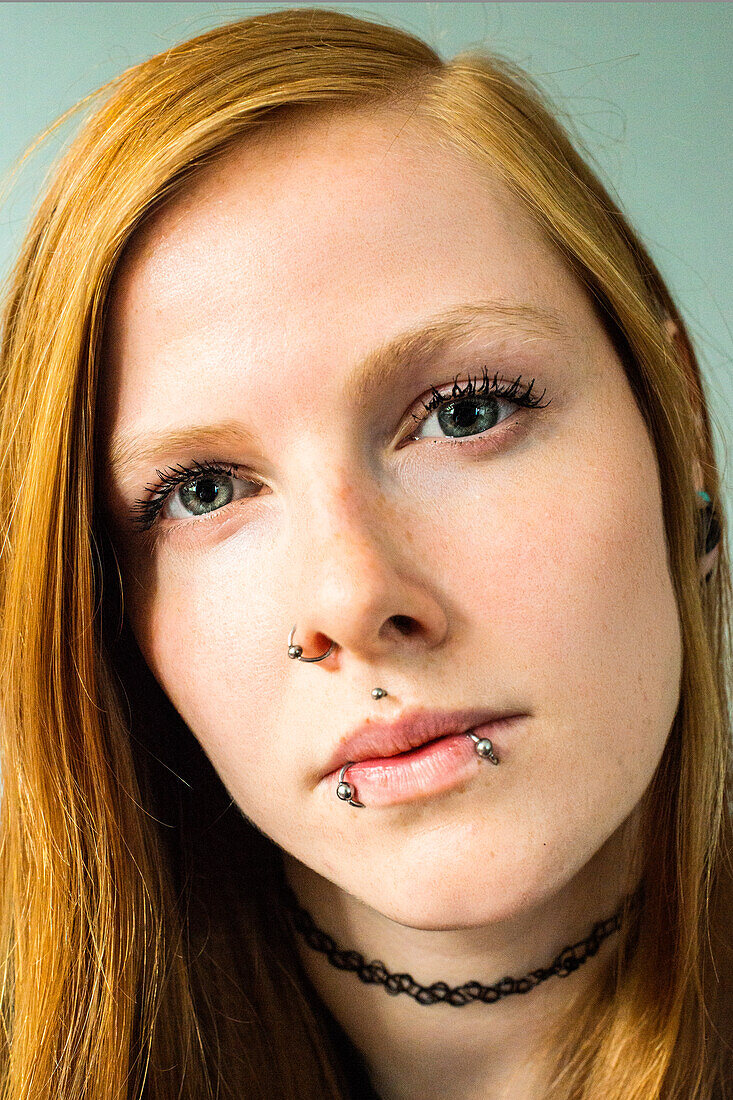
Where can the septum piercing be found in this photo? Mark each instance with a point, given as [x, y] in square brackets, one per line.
[296, 651]
[345, 791]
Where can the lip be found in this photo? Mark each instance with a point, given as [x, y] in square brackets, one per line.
[429, 770]
[378, 740]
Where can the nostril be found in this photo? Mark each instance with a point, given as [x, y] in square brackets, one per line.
[404, 624]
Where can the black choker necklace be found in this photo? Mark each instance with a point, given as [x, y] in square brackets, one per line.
[569, 959]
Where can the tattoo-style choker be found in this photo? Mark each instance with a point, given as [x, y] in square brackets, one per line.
[567, 961]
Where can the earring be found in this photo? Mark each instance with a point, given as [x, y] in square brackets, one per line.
[708, 530]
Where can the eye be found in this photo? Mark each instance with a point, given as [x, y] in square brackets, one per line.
[207, 487]
[196, 490]
[472, 411]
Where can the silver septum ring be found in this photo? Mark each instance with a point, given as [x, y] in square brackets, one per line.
[296, 651]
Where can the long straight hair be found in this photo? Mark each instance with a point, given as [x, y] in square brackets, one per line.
[143, 951]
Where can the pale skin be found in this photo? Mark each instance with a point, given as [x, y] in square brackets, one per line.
[529, 572]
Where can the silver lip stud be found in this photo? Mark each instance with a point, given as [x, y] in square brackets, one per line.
[484, 747]
[344, 790]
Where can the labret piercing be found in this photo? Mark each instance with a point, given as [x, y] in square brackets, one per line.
[483, 747]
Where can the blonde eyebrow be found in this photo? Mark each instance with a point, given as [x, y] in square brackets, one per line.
[424, 341]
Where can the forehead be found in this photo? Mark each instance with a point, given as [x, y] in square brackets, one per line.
[311, 205]
[304, 246]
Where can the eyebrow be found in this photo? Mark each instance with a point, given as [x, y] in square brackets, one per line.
[425, 341]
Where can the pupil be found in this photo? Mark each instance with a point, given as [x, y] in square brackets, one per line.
[466, 414]
[208, 493]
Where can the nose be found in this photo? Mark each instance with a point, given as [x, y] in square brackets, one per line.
[364, 582]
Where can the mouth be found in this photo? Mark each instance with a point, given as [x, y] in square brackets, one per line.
[431, 768]
[377, 741]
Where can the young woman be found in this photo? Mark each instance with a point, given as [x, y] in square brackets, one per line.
[345, 417]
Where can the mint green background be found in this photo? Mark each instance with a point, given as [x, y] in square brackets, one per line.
[647, 85]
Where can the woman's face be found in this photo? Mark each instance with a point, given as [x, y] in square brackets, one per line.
[518, 563]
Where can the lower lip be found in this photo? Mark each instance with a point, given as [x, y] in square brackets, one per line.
[428, 770]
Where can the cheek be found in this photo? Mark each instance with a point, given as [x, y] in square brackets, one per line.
[201, 624]
[580, 615]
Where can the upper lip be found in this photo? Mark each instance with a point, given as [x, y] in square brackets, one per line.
[376, 739]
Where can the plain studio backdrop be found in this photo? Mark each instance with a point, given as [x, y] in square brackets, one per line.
[646, 87]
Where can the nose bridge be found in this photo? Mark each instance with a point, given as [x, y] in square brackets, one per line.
[355, 579]
[342, 513]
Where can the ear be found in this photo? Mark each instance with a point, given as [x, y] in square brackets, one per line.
[679, 349]
[680, 352]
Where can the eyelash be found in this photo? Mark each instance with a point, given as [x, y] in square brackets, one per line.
[145, 511]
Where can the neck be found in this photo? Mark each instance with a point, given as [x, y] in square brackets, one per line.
[477, 1049]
